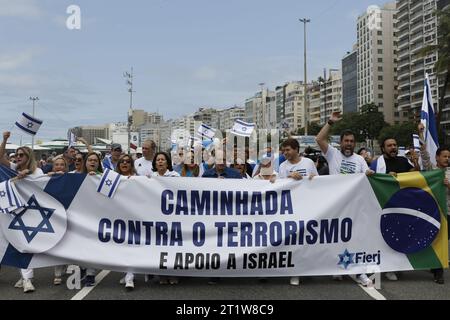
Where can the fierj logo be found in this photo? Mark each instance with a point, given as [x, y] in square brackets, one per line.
[411, 221]
[37, 227]
[347, 259]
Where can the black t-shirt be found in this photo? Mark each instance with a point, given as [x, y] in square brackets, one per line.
[398, 165]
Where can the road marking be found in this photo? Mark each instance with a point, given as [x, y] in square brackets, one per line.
[86, 290]
[371, 291]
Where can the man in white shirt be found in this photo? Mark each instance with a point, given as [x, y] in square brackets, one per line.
[295, 166]
[144, 166]
[345, 161]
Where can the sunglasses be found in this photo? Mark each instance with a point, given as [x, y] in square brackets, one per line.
[126, 161]
[78, 159]
[20, 155]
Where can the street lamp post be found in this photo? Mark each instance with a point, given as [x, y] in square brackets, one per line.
[305, 110]
[129, 77]
[34, 99]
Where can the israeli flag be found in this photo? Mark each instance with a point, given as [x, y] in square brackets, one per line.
[243, 129]
[416, 142]
[109, 183]
[206, 131]
[72, 139]
[9, 198]
[428, 119]
[28, 124]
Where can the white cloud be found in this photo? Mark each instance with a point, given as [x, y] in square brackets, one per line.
[20, 8]
[14, 61]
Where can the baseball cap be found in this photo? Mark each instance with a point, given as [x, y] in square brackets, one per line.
[116, 146]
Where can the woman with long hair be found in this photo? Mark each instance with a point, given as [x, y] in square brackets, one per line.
[162, 167]
[26, 166]
[92, 164]
[189, 167]
[125, 167]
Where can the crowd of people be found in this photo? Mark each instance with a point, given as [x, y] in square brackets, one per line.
[287, 163]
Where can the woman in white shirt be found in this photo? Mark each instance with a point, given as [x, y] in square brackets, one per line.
[162, 166]
[26, 166]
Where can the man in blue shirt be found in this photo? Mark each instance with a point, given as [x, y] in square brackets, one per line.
[110, 162]
[220, 170]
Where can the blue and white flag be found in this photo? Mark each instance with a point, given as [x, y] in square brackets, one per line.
[72, 138]
[416, 143]
[109, 183]
[206, 131]
[243, 129]
[428, 119]
[28, 124]
[9, 198]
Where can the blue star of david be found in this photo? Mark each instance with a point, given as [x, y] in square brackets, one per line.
[31, 232]
[109, 183]
[346, 259]
[30, 125]
[2, 194]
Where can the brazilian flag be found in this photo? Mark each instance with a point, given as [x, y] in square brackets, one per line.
[414, 219]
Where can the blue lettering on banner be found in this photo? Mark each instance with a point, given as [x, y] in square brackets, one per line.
[226, 203]
[228, 234]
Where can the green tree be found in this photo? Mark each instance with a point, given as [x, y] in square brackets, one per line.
[371, 121]
[313, 129]
[401, 132]
[442, 65]
[350, 121]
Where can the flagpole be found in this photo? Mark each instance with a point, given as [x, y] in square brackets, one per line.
[34, 99]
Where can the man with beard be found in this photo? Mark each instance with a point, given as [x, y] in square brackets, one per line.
[390, 163]
[345, 161]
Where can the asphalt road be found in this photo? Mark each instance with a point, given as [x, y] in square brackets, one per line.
[411, 285]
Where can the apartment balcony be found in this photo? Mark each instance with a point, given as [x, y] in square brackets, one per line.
[415, 27]
[402, 4]
[417, 68]
[417, 36]
[403, 53]
[417, 89]
[416, 16]
[403, 44]
[403, 26]
[403, 75]
[418, 5]
[403, 63]
[403, 84]
[403, 15]
[416, 47]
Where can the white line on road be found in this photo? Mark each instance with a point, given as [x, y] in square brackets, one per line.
[86, 290]
[371, 291]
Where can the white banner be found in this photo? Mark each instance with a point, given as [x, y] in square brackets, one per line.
[208, 228]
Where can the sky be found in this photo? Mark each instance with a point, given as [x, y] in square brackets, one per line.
[186, 54]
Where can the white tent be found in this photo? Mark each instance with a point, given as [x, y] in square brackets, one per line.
[10, 147]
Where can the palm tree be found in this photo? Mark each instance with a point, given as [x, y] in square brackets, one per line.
[442, 66]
